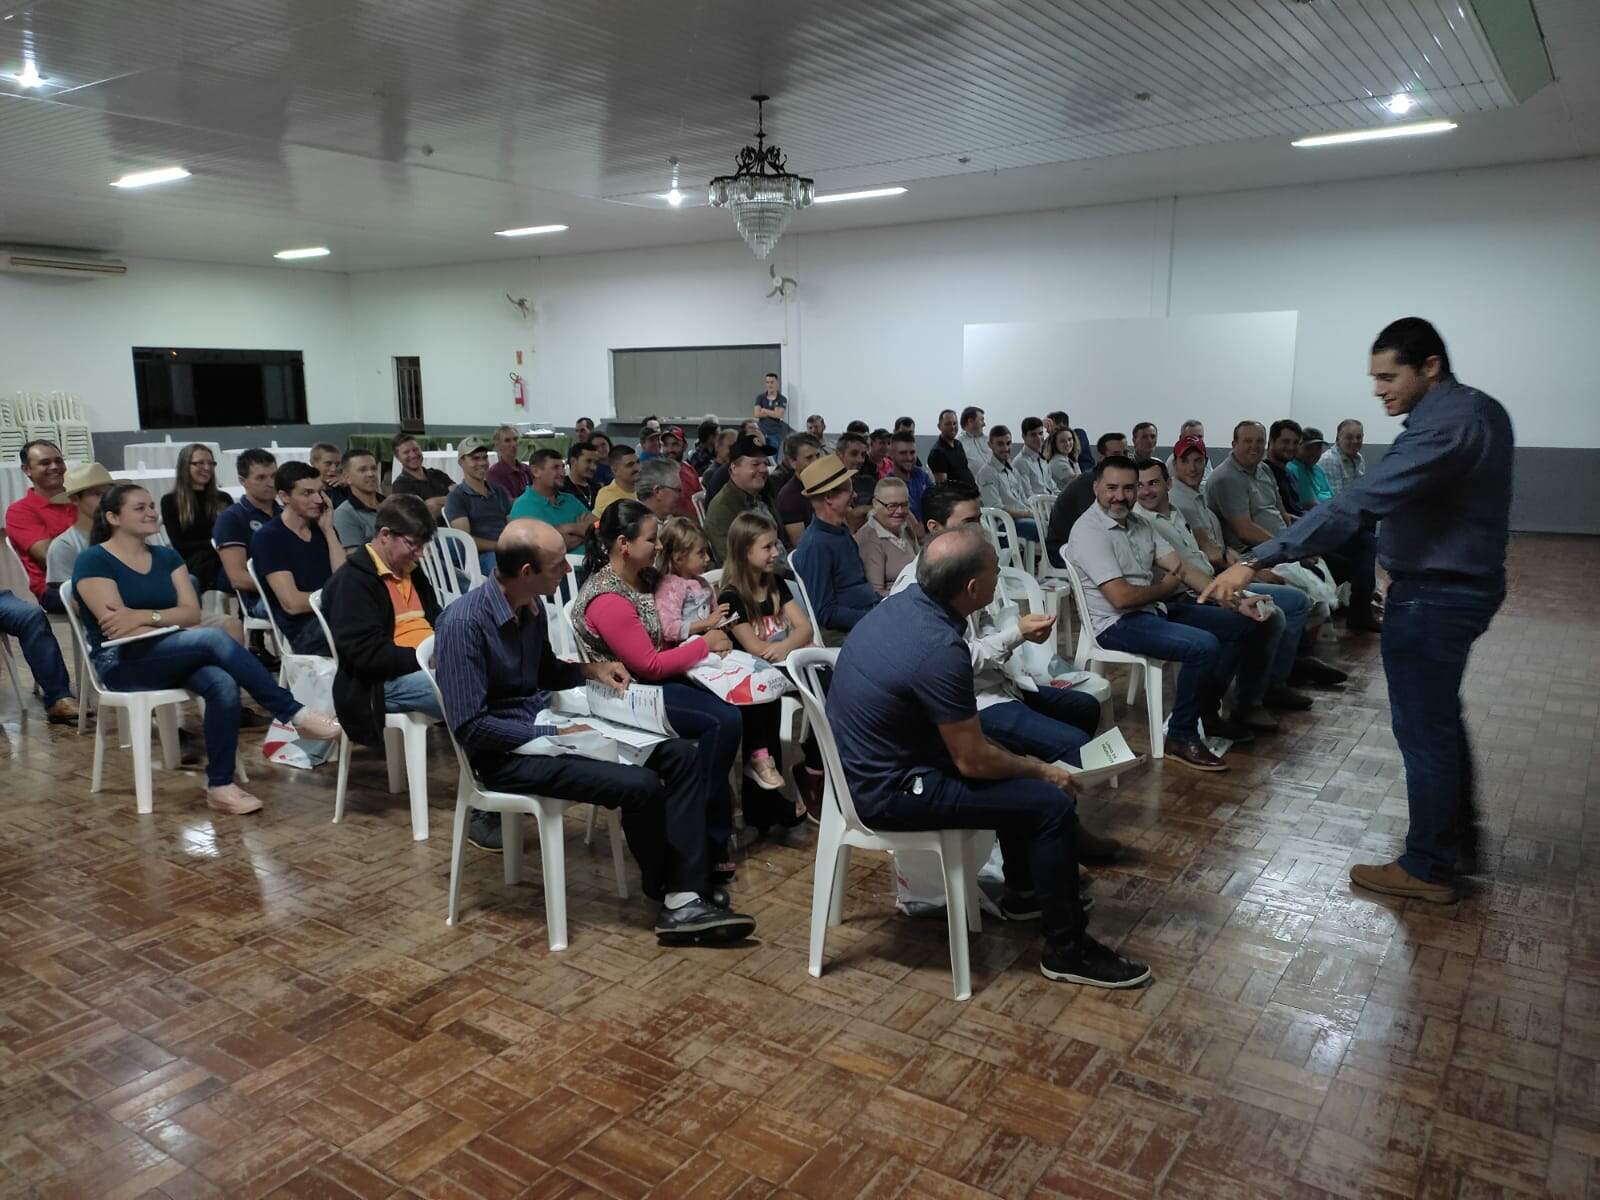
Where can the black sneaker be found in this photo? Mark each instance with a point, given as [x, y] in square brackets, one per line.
[1219, 726]
[249, 718]
[700, 923]
[483, 831]
[1310, 669]
[1020, 906]
[1092, 965]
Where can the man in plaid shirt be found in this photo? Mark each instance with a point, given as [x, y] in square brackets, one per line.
[1342, 461]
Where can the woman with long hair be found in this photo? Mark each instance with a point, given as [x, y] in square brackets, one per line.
[191, 508]
[1062, 456]
[129, 593]
[616, 619]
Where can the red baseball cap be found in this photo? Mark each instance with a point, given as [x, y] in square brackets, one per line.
[673, 431]
[1185, 444]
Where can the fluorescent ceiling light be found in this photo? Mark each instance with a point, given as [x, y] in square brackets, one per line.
[141, 179]
[1374, 135]
[304, 252]
[868, 194]
[29, 76]
[530, 230]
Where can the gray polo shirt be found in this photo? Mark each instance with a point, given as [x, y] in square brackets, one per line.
[1100, 549]
[1193, 507]
[1232, 491]
[1173, 530]
[486, 515]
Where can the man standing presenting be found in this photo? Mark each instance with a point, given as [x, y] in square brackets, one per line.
[1442, 496]
[772, 410]
[475, 506]
[947, 461]
[905, 717]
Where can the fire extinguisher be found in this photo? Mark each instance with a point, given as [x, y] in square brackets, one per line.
[519, 394]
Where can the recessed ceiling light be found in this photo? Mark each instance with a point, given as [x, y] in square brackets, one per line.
[1400, 103]
[141, 179]
[530, 230]
[29, 76]
[868, 194]
[674, 197]
[304, 252]
[1374, 135]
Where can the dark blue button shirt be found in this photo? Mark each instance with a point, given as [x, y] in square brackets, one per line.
[1443, 494]
[496, 670]
[904, 671]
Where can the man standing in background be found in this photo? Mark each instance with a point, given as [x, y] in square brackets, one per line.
[772, 411]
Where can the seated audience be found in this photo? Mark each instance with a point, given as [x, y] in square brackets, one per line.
[429, 484]
[818, 429]
[860, 427]
[649, 442]
[1080, 438]
[878, 460]
[380, 608]
[973, 442]
[1003, 487]
[33, 521]
[583, 429]
[81, 490]
[800, 450]
[706, 438]
[1342, 462]
[30, 625]
[496, 673]
[1030, 463]
[1269, 652]
[746, 491]
[241, 521]
[1195, 429]
[1244, 494]
[579, 478]
[616, 618]
[1078, 497]
[1310, 480]
[475, 506]
[1144, 440]
[904, 713]
[715, 476]
[295, 553]
[948, 460]
[826, 558]
[356, 520]
[125, 587]
[684, 600]
[543, 499]
[1117, 558]
[1205, 527]
[659, 487]
[1283, 447]
[325, 457]
[189, 514]
[623, 463]
[903, 465]
[688, 478]
[886, 542]
[508, 472]
[602, 461]
[852, 453]
[1061, 458]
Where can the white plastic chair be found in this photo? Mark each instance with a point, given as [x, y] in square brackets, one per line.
[160, 703]
[547, 810]
[699, 502]
[1091, 651]
[442, 572]
[76, 442]
[842, 829]
[408, 729]
[285, 655]
[1014, 549]
[11, 667]
[252, 624]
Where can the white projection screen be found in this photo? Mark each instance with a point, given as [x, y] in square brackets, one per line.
[1221, 368]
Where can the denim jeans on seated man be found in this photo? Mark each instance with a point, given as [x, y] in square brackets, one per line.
[1296, 609]
[1051, 724]
[411, 693]
[1027, 528]
[1204, 638]
[304, 632]
[30, 625]
[1428, 631]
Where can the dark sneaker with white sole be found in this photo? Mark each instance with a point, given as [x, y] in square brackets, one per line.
[483, 831]
[1016, 906]
[1092, 965]
[701, 923]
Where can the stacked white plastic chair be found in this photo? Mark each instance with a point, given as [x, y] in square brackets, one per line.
[33, 414]
[11, 435]
[72, 429]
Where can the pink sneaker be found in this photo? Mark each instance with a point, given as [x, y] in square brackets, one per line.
[317, 725]
[765, 772]
[231, 798]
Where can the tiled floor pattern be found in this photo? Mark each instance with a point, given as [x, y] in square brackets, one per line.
[273, 1006]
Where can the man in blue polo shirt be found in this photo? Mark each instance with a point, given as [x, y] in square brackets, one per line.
[295, 553]
[240, 521]
[905, 716]
[543, 499]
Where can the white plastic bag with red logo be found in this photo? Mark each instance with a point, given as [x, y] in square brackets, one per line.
[310, 678]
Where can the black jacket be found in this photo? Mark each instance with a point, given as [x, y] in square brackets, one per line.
[356, 604]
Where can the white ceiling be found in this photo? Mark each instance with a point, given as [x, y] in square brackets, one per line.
[403, 132]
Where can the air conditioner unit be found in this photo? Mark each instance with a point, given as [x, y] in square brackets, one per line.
[61, 264]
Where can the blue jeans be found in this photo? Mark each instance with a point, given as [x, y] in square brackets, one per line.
[1051, 724]
[31, 627]
[411, 693]
[251, 604]
[1203, 637]
[1295, 607]
[50, 599]
[1033, 820]
[212, 665]
[304, 632]
[1428, 631]
[486, 563]
[715, 727]
[1027, 528]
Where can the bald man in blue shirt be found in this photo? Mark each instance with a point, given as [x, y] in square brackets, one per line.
[1443, 494]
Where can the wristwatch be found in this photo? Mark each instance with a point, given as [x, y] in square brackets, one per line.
[155, 618]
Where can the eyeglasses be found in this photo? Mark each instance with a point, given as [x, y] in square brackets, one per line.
[415, 545]
[895, 506]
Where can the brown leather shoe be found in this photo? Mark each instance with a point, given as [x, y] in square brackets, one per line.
[1391, 879]
[63, 712]
[1192, 752]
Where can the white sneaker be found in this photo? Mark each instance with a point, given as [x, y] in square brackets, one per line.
[318, 725]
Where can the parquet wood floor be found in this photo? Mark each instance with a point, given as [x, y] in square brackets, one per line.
[273, 1006]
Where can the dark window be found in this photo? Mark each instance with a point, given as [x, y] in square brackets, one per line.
[408, 393]
[178, 388]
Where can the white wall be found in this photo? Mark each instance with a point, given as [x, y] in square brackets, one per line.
[1504, 260]
[78, 336]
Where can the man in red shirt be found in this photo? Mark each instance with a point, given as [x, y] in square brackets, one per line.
[672, 446]
[33, 521]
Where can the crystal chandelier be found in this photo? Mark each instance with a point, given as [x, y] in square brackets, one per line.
[761, 191]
